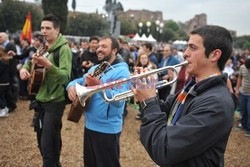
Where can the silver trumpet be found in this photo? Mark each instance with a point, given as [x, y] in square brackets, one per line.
[84, 93]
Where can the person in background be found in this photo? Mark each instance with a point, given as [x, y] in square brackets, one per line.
[26, 53]
[148, 48]
[89, 57]
[178, 55]
[167, 60]
[13, 89]
[144, 62]
[84, 45]
[182, 79]
[4, 82]
[242, 91]
[191, 129]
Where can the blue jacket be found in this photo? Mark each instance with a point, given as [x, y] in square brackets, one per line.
[171, 62]
[153, 59]
[106, 117]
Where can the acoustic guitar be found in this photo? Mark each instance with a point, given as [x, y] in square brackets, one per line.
[76, 109]
[37, 72]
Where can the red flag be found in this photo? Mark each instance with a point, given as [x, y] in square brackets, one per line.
[27, 29]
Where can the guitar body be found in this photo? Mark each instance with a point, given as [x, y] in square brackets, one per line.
[76, 109]
[38, 72]
[36, 79]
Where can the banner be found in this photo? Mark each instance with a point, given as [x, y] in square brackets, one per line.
[27, 29]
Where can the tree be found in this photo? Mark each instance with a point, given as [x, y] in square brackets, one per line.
[59, 8]
[74, 5]
[127, 27]
[246, 45]
[241, 42]
[171, 24]
[168, 35]
[13, 15]
[82, 24]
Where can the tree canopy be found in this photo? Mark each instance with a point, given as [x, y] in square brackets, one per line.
[58, 8]
[13, 15]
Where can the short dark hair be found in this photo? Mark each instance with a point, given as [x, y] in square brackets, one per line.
[148, 45]
[94, 38]
[114, 43]
[38, 36]
[54, 19]
[84, 41]
[216, 37]
[26, 39]
[247, 62]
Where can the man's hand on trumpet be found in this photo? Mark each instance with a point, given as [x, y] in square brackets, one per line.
[146, 91]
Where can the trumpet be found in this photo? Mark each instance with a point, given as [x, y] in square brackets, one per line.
[84, 93]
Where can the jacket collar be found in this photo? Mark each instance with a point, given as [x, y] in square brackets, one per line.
[208, 83]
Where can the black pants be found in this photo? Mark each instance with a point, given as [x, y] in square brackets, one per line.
[101, 149]
[12, 93]
[3, 90]
[49, 132]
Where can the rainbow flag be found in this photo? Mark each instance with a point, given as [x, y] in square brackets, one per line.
[27, 29]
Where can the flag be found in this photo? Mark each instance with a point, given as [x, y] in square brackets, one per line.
[27, 29]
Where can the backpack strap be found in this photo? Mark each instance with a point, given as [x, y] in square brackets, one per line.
[56, 55]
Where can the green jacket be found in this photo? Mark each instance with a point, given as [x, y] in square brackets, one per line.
[56, 78]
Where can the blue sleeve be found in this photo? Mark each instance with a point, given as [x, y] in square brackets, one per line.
[79, 80]
[73, 83]
[121, 74]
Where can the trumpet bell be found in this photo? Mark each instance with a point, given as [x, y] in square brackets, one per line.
[84, 93]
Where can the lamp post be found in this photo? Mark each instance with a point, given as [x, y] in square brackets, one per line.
[140, 24]
[161, 27]
[157, 23]
[132, 16]
[148, 24]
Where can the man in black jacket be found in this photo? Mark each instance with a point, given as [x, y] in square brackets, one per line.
[13, 89]
[199, 118]
[89, 56]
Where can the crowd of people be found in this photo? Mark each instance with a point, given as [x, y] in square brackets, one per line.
[177, 119]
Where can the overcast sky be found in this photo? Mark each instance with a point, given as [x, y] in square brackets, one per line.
[232, 14]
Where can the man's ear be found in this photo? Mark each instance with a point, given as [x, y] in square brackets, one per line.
[58, 30]
[114, 51]
[215, 55]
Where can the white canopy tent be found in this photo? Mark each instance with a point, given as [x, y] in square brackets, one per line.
[136, 37]
[151, 38]
[144, 38]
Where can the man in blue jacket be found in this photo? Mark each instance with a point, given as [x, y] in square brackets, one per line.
[200, 117]
[167, 60]
[103, 121]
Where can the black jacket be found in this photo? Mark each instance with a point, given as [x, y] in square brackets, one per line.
[89, 56]
[200, 136]
[4, 75]
[12, 62]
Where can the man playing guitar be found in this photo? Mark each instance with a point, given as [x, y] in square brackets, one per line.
[50, 97]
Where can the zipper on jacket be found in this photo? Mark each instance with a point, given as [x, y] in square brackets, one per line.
[108, 112]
